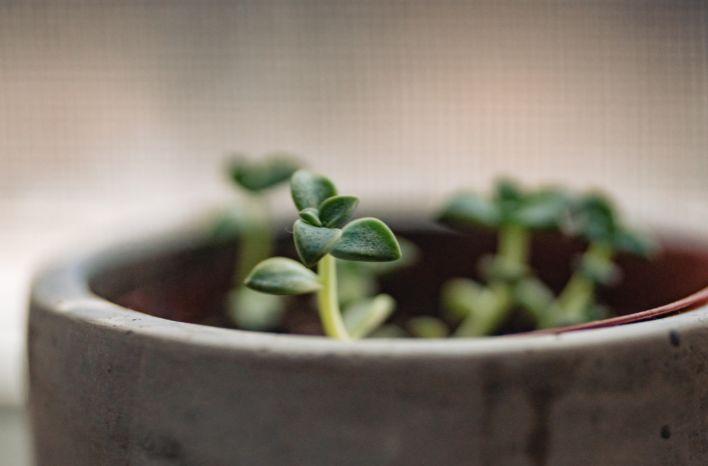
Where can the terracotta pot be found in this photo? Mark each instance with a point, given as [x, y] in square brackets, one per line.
[114, 386]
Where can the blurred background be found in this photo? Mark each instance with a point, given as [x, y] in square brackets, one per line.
[118, 110]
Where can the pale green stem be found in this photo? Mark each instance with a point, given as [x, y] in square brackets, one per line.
[256, 239]
[489, 315]
[514, 243]
[579, 293]
[327, 300]
[514, 247]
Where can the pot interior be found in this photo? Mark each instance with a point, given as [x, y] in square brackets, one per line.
[190, 285]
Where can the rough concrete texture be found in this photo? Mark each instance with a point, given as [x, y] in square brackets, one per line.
[110, 386]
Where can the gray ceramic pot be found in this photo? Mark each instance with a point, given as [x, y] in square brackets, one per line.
[112, 386]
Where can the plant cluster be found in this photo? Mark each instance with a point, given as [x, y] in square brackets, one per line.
[350, 255]
[323, 234]
[510, 282]
[251, 222]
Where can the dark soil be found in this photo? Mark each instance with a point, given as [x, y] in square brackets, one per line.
[190, 285]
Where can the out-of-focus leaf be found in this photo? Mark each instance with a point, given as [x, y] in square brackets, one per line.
[470, 210]
[635, 243]
[496, 267]
[263, 174]
[543, 209]
[363, 317]
[427, 327]
[388, 331]
[354, 281]
[252, 310]
[594, 218]
[531, 294]
[282, 276]
[458, 298]
[600, 269]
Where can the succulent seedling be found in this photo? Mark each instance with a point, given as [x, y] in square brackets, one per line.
[514, 214]
[251, 223]
[594, 219]
[324, 233]
[511, 283]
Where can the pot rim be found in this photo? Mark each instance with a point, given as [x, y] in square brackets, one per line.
[63, 289]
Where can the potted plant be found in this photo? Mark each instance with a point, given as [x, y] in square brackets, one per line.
[127, 366]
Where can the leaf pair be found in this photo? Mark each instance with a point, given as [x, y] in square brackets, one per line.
[258, 176]
[595, 219]
[322, 228]
[365, 239]
[543, 209]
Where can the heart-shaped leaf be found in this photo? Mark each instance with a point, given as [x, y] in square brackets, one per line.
[534, 296]
[253, 310]
[337, 210]
[543, 209]
[282, 276]
[312, 243]
[507, 190]
[311, 216]
[594, 218]
[260, 175]
[600, 269]
[354, 282]
[470, 210]
[459, 297]
[496, 267]
[367, 239]
[635, 243]
[427, 327]
[367, 315]
[310, 189]
[409, 256]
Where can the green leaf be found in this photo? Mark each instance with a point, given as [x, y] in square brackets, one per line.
[282, 276]
[470, 210]
[310, 189]
[257, 176]
[543, 209]
[600, 269]
[252, 310]
[427, 327]
[367, 239]
[367, 315]
[311, 216]
[635, 243]
[337, 210]
[594, 218]
[312, 243]
[388, 331]
[486, 307]
[410, 253]
[354, 281]
[531, 294]
[496, 267]
[458, 298]
[507, 190]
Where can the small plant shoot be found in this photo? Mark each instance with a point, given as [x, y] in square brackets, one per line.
[323, 234]
[340, 259]
[478, 309]
[252, 224]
